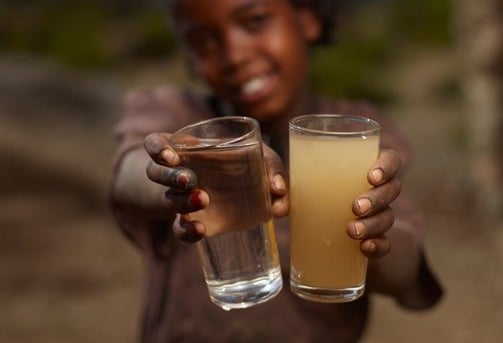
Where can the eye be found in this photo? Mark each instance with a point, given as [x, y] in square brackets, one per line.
[201, 42]
[256, 22]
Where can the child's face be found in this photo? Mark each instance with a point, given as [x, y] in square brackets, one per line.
[252, 53]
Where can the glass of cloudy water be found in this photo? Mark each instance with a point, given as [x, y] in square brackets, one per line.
[330, 156]
[239, 254]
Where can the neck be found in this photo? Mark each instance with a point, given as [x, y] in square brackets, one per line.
[305, 103]
[277, 129]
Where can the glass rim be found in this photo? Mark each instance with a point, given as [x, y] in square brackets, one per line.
[373, 130]
[229, 143]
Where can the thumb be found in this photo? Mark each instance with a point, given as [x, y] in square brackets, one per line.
[278, 182]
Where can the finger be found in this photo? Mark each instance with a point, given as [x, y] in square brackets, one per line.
[375, 247]
[373, 226]
[385, 168]
[278, 181]
[158, 147]
[189, 231]
[183, 202]
[275, 170]
[175, 178]
[280, 203]
[377, 199]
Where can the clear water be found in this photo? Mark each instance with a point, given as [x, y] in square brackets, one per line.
[242, 267]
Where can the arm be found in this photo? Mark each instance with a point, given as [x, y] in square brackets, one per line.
[136, 201]
[144, 185]
[392, 239]
[184, 197]
[404, 272]
[134, 191]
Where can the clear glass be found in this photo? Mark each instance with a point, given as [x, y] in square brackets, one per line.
[330, 156]
[239, 257]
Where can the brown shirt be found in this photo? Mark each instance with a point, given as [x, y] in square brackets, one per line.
[177, 307]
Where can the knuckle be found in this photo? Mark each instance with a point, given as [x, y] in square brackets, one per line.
[399, 185]
[380, 198]
[393, 154]
[151, 170]
[152, 144]
[388, 219]
[150, 139]
[379, 223]
[391, 162]
[167, 203]
[168, 175]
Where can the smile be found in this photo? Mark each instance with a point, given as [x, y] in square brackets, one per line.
[254, 85]
[256, 88]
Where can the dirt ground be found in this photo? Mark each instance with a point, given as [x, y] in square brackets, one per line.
[67, 275]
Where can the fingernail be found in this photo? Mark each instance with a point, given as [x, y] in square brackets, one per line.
[377, 174]
[363, 205]
[195, 199]
[186, 179]
[360, 229]
[371, 247]
[182, 179]
[279, 182]
[168, 155]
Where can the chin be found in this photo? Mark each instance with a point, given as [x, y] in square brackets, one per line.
[264, 112]
[262, 116]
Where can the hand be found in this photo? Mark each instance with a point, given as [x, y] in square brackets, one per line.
[278, 182]
[184, 197]
[375, 217]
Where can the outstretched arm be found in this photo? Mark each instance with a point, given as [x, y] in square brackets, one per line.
[390, 236]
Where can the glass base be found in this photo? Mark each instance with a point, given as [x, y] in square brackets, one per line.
[244, 294]
[327, 295]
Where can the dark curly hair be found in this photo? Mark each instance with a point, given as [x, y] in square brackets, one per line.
[325, 10]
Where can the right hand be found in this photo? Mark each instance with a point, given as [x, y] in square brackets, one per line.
[183, 195]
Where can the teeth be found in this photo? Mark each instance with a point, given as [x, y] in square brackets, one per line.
[253, 85]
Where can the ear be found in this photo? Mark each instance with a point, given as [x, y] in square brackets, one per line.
[310, 24]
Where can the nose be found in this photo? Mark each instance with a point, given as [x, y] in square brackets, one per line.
[235, 50]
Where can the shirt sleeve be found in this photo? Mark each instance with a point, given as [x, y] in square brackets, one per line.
[427, 290]
[163, 109]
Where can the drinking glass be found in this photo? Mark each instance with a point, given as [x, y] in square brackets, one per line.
[239, 255]
[330, 156]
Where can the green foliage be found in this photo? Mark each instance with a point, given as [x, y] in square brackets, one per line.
[156, 40]
[81, 38]
[351, 67]
[85, 33]
[423, 21]
[94, 33]
[346, 68]
[449, 88]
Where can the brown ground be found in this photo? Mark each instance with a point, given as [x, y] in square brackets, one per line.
[68, 276]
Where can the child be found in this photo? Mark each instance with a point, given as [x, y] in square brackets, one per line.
[253, 55]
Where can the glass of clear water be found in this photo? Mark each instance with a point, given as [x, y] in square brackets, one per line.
[239, 255]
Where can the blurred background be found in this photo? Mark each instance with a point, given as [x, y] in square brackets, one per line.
[67, 275]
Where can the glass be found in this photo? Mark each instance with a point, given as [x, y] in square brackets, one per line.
[239, 256]
[330, 156]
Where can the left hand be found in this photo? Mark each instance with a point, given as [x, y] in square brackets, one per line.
[372, 208]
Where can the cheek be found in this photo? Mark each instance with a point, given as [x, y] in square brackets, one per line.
[209, 73]
[204, 73]
[290, 55]
[205, 69]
